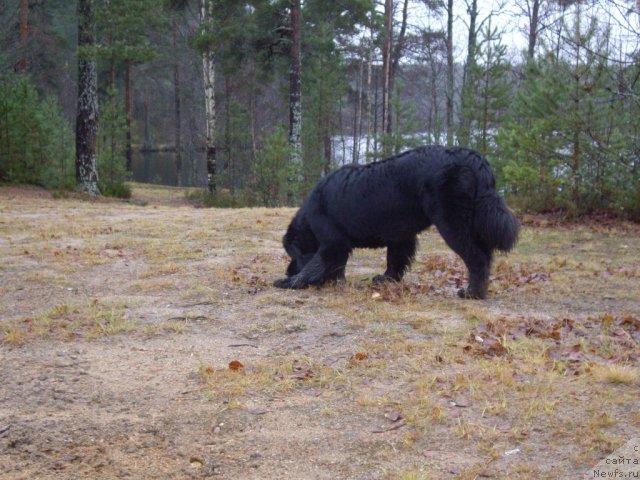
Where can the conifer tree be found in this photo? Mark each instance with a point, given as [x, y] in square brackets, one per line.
[487, 94]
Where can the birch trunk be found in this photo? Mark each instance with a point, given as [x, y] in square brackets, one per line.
[208, 71]
[87, 112]
[295, 87]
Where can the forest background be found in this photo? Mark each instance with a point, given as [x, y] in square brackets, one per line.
[255, 100]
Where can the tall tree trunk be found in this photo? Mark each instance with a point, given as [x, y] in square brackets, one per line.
[324, 126]
[295, 85]
[369, 99]
[128, 112]
[357, 117]
[252, 113]
[534, 15]
[327, 145]
[208, 73]
[386, 65]
[376, 100]
[87, 114]
[344, 148]
[177, 109]
[145, 114]
[21, 66]
[576, 153]
[464, 133]
[228, 92]
[472, 40]
[449, 72]
[395, 60]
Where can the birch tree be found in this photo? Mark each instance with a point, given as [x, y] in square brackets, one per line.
[208, 75]
[87, 112]
[295, 86]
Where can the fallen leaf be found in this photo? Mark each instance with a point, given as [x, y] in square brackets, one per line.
[235, 365]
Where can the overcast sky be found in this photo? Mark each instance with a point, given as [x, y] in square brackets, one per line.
[508, 18]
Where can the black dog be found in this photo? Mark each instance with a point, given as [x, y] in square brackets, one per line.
[386, 203]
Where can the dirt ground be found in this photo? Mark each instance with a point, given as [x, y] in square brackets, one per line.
[143, 339]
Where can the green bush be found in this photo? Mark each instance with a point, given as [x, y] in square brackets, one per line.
[278, 180]
[111, 149]
[109, 189]
[36, 143]
[222, 198]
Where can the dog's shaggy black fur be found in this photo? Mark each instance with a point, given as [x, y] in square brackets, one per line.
[387, 203]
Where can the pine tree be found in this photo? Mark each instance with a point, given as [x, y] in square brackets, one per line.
[124, 26]
[554, 146]
[487, 95]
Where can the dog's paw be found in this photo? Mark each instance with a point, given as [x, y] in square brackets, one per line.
[471, 294]
[283, 283]
[291, 283]
[383, 278]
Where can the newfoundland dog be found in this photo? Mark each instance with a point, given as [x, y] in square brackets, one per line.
[387, 203]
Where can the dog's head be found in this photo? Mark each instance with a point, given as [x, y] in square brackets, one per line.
[300, 244]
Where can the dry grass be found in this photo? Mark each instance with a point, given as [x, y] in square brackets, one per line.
[615, 374]
[546, 365]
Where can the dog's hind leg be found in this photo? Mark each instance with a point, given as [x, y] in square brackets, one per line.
[476, 258]
[479, 265]
[399, 258]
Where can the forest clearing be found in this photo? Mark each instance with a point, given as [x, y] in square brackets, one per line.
[144, 339]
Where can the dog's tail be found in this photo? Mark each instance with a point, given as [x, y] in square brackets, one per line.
[494, 223]
[473, 186]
